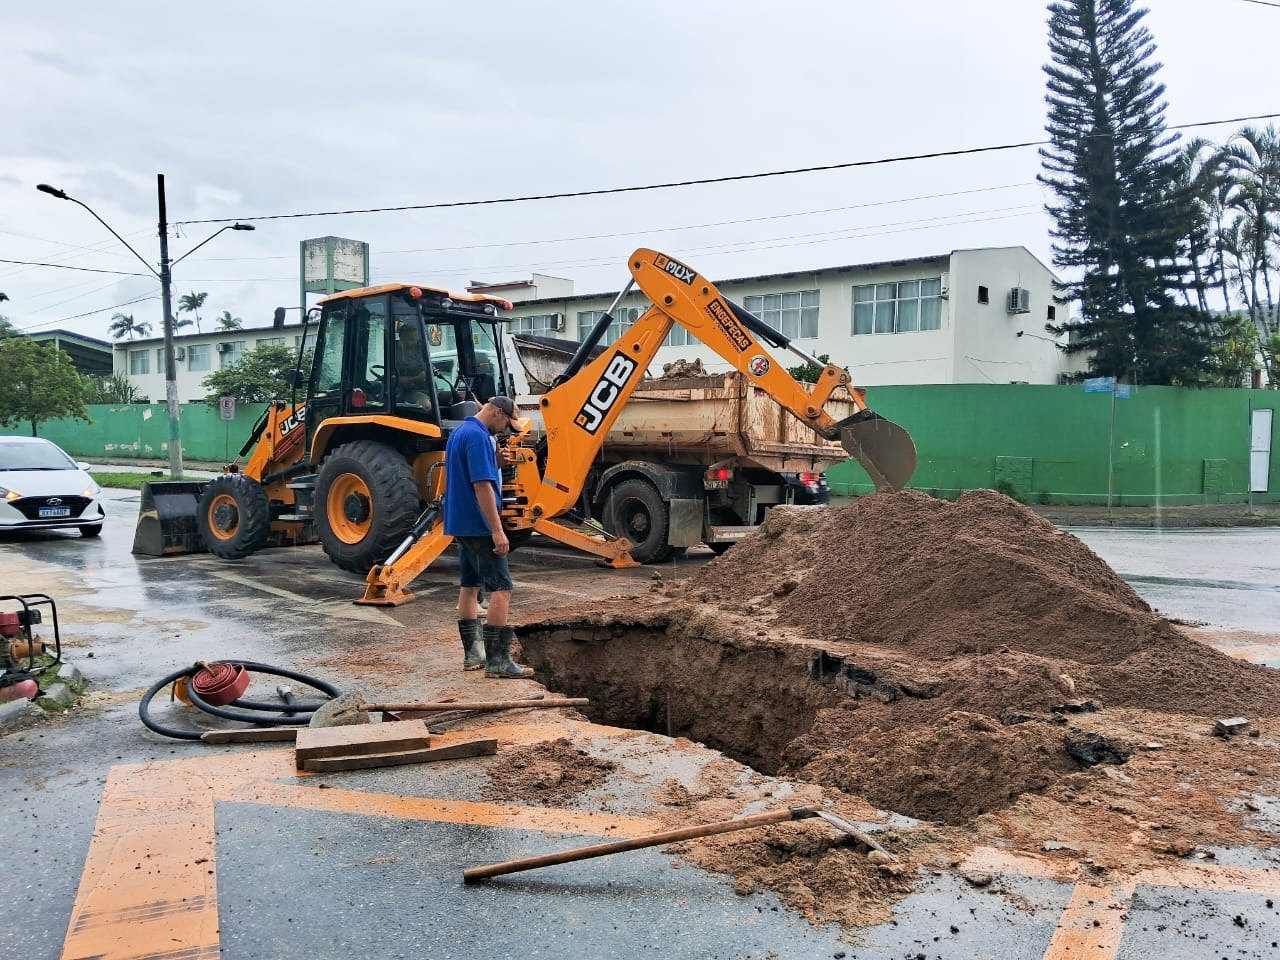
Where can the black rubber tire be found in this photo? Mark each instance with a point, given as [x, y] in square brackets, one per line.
[234, 516]
[376, 503]
[93, 530]
[634, 509]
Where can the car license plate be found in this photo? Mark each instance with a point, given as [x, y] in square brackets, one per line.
[50, 512]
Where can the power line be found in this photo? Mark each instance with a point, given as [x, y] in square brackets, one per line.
[127, 303]
[1264, 3]
[969, 151]
[63, 266]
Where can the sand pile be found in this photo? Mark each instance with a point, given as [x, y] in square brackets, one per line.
[941, 582]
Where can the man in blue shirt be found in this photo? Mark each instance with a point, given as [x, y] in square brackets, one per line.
[473, 517]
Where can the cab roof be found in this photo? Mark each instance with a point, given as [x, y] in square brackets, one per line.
[362, 292]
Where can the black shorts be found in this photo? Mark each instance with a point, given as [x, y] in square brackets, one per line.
[479, 566]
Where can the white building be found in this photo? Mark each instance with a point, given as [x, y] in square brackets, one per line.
[196, 355]
[970, 316]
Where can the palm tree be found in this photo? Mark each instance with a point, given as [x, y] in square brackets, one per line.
[228, 322]
[123, 325]
[191, 303]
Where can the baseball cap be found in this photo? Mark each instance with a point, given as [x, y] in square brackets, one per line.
[505, 404]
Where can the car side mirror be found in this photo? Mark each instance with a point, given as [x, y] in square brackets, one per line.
[86, 467]
[297, 378]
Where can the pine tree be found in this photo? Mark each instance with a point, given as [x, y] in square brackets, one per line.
[1123, 212]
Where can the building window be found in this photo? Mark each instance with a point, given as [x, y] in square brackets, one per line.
[229, 353]
[1051, 313]
[160, 360]
[271, 342]
[794, 315]
[139, 362]
[984, 295]
[198, 357]
[623, 317]
[902, 307]
[539, 324]
[678, 337]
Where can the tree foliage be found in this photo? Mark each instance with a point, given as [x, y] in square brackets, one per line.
[261, 374]
[1124, 216]
[191, 303]
[124, 325]
[116, 388]
[40, 383]
[228, 322]
[7, 329]
[808, 373]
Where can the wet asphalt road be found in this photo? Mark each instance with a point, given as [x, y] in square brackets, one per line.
[315, 883]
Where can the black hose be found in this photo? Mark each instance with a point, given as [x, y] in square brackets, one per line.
[254, 712]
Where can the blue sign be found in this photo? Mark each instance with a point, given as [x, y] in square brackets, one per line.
[1122, 391]
[1099, 385]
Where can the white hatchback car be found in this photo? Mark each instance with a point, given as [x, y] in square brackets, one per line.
[41, 488]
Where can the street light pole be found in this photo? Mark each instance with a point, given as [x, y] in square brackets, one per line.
[170, 366]
[165, 276]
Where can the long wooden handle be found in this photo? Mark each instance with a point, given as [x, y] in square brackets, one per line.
[635, 843]
[478, 705]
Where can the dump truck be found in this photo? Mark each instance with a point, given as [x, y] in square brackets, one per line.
[357, 462]
[693, 458]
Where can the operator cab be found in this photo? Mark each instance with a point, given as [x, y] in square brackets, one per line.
[410, 352]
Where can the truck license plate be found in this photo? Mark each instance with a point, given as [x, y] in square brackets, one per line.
[50, 512]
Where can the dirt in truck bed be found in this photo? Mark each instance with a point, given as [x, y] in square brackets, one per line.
[965, 664]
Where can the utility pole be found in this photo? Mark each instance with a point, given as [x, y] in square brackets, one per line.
[170, 367]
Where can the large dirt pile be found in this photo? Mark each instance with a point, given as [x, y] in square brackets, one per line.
[941, 582]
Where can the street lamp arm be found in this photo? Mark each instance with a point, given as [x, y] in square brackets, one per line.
[62, 195]
[230, 226]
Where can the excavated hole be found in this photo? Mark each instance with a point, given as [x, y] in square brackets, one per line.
[788, 709]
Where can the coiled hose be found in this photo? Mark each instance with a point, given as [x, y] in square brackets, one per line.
[257, 713]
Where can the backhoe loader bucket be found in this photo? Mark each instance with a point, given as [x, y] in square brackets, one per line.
[884, 449]
[167, 518]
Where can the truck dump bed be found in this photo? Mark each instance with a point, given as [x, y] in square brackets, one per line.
[699, 419]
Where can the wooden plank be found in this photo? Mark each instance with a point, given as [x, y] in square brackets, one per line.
[250, 735]
[453, 751]
[444, 706]
[360, 738]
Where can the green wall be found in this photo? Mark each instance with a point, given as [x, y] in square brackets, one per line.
[1041, 443]
[1050, 444]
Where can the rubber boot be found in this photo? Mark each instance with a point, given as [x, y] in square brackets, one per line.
[472, 644]
[497, 655]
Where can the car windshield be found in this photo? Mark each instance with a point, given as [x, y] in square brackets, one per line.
[33, 456]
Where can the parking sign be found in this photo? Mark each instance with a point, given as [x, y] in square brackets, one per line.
[228, 408]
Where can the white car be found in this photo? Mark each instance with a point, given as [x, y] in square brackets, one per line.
[42, 488]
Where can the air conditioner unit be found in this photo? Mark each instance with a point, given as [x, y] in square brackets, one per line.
[1019, 300]
[944, 290]
[180, 353]
[224, 348]
[558, 320]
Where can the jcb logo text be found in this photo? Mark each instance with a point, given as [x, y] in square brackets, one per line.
[605, 393]
[675, 268]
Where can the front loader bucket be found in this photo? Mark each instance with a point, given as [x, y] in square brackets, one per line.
[885, 450]
[167, 518]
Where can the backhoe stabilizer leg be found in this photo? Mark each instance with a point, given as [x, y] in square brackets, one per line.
[388, 584]
[885, 450]
[614, 552]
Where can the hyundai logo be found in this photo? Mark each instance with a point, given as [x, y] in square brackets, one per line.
[54, 501]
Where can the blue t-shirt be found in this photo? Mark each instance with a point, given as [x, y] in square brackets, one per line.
[469, 456]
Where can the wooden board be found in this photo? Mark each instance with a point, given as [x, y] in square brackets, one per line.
[250, 735]
[360, 739]
[452, 751]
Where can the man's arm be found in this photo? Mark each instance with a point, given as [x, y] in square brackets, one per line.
[489, 510]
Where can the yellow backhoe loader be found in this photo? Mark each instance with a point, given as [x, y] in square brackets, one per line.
[356, 464]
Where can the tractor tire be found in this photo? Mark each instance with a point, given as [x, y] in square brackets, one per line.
[634, 509]
[93, 530]
[234, 516]
[366, 503]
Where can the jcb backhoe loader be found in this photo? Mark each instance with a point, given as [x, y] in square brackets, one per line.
[366, 477]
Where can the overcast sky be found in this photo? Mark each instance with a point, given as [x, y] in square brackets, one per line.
[256, 110]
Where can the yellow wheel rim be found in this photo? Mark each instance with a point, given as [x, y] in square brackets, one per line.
[349, 508]
[224, 516]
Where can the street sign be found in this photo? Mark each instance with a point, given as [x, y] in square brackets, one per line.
[1122, 391]
[228, 407]
[1099, 385]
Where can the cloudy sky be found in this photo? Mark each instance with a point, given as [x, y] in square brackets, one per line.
[262, 111]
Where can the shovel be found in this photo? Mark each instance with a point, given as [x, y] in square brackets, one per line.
[473, 874]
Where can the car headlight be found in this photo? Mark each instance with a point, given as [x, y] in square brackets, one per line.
[91, 491]
[7, 494]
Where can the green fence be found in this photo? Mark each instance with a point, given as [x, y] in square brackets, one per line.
[1164, 445]
[1160, 445]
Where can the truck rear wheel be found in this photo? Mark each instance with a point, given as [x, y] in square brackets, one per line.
[634, 509]
[234, 516]
[366, 501]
